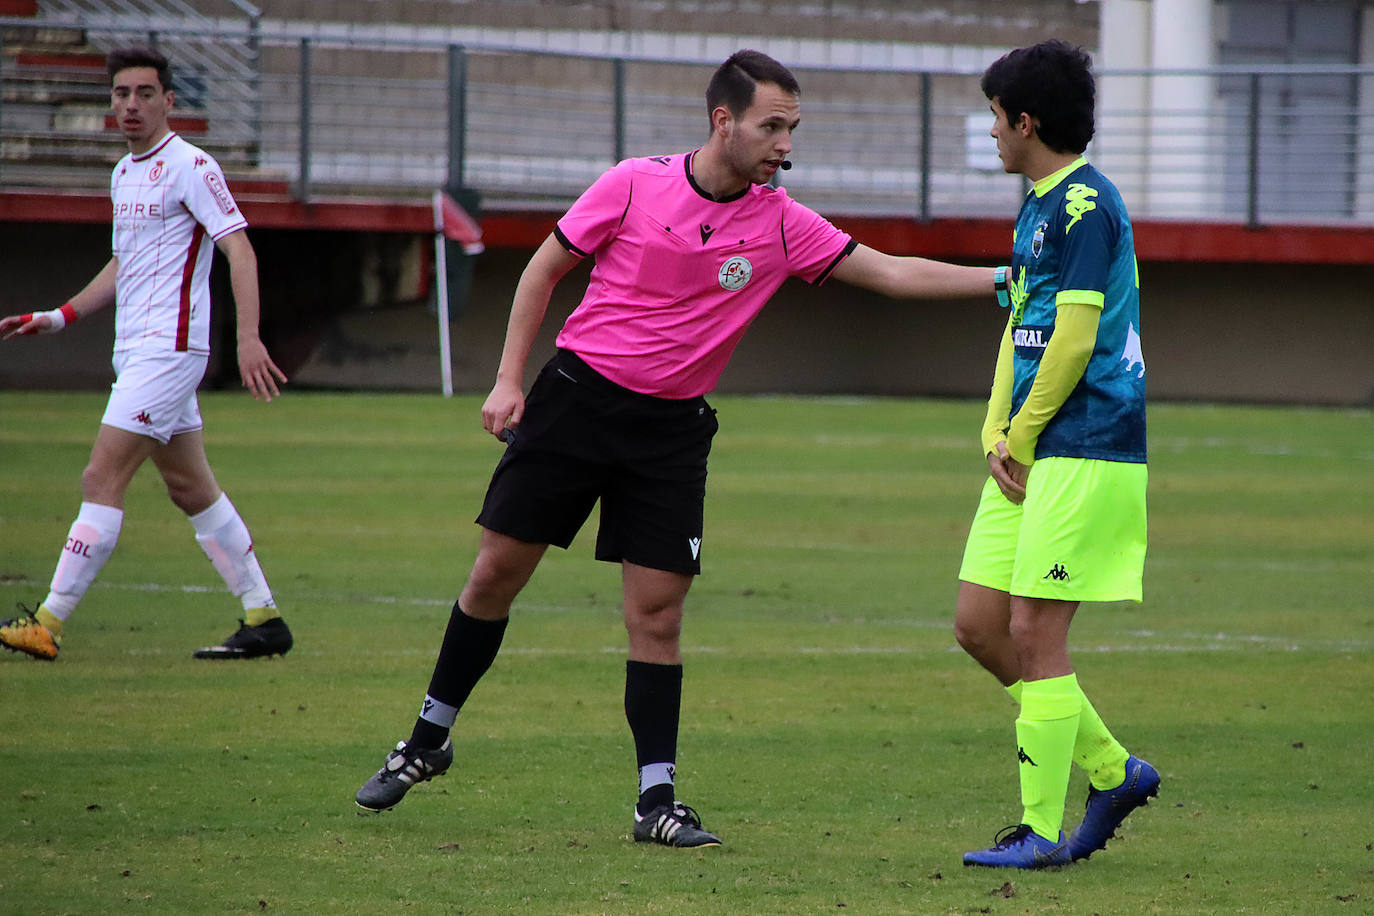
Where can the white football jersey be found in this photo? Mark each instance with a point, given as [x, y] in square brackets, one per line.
[171, 204]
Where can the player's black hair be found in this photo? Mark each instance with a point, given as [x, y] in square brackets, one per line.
[732, 85]
[1053, 83]
[124, 58]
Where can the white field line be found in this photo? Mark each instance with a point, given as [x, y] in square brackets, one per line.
[1130, 641]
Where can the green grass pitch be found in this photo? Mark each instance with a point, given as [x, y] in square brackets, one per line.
[833, 734]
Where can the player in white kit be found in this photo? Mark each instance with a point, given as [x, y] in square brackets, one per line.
[171, 207]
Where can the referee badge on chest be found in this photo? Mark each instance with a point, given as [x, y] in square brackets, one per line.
[736, 273]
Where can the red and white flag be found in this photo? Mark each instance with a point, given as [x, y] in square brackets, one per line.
[455, 224]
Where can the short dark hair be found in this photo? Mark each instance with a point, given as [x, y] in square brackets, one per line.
[124, 58]
[732, 85]
[1053, 83]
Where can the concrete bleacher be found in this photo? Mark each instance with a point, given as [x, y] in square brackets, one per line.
[540, 117]
[58, 130]
[951, 22]
[55, 100]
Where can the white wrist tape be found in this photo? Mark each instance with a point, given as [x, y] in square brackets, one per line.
[59, 318]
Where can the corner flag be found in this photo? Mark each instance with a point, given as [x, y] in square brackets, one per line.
[451, 222]
[454, 223]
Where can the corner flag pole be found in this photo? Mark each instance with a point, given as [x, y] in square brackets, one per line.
[452, 223]
[441, 291]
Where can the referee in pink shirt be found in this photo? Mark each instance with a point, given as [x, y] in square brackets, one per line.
[688, 248]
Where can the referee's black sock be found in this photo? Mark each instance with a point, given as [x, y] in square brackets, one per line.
[470, 646]
[653, 700]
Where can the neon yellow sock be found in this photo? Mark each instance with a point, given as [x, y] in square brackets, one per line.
[1094, 748]
[1096, 751]
[52, 622]
[1045, 733]
[257, 616]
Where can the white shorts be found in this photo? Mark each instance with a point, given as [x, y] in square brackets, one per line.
[154, 394]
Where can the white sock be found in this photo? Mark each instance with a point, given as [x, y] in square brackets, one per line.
[90, 542]
[224, 537]
[656, 774]
[438, 712]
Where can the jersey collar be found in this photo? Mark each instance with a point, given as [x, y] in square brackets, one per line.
[157, 149]
[1050, 182]
[687, 167]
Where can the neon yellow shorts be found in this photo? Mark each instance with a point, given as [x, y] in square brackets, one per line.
[1079, 535]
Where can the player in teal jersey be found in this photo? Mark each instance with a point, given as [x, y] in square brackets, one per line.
[1062, 515]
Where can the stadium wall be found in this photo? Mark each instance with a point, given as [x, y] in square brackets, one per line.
[353, 310]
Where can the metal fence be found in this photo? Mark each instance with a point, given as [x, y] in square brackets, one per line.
[349, 116]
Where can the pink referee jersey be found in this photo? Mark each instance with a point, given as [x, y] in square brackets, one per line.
[171, 204]
[679, 276]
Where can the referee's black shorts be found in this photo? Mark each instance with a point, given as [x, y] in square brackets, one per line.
[584, 438]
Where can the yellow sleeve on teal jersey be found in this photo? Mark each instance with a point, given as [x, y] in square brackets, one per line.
[1061, 366]
[999, 402]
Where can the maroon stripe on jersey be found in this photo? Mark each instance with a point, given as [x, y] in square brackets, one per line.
[184, 312]
[155, 150]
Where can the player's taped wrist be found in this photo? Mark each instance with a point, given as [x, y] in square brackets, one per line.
[57, 319]
[999, 284]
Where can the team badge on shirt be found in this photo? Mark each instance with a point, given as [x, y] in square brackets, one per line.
[156, 172]
[736, 273]
[1038, 239]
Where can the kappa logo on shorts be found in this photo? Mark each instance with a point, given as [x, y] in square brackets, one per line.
[142, 417]
[1058, 573]
[736, 273]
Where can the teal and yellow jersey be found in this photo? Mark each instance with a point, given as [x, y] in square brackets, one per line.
[1073, 244]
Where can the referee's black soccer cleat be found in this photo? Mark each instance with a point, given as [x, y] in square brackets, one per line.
[673, 825]
[404, 767]
[271, 637]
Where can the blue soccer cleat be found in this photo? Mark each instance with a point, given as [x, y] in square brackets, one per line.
[1107, 809]
[1018, 846]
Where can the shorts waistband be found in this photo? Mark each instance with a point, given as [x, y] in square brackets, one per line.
[575, 368]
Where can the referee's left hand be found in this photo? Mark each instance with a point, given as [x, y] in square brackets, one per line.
[503, 408]
[259, 374]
